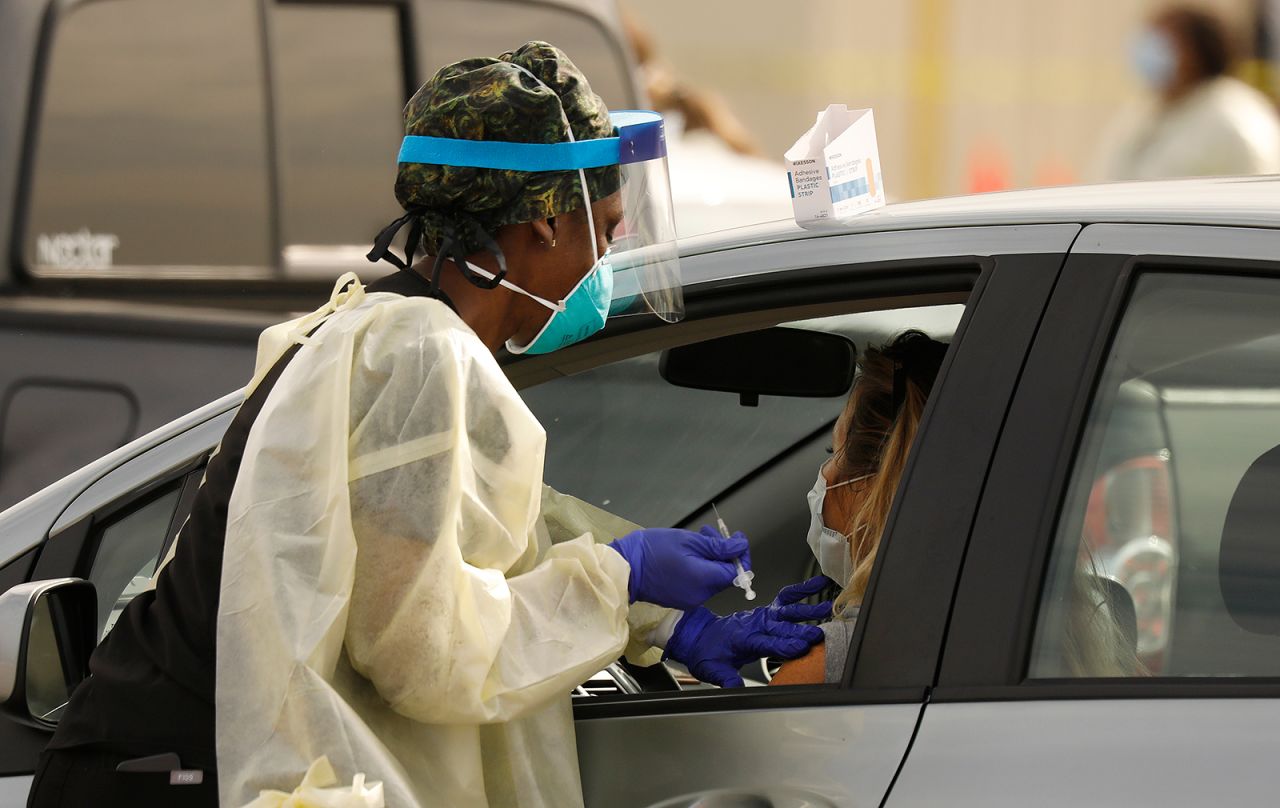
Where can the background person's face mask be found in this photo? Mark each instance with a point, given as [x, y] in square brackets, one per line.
[830, 547]
[1154, 59]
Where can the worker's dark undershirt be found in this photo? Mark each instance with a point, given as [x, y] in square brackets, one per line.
[409, 284]
[151, 683]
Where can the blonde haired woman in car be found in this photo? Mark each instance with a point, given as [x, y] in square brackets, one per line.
[849, 504]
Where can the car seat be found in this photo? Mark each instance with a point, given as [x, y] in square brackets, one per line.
[1120, 605]
[1249, 556]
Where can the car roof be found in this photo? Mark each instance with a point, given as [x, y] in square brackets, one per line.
[1231, 201]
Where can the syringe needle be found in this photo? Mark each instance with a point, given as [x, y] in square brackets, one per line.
[743, 579]
[724, 529]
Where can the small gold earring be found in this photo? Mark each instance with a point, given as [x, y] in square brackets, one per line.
[553, 241]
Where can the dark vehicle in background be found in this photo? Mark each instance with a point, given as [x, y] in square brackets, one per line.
[177, 174]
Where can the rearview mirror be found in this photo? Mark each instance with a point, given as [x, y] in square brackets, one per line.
[772, 362]
[47, 632]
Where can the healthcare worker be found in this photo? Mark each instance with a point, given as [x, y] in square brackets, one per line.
[367, 575]
[1197, 120]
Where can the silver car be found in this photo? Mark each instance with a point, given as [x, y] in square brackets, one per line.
[1109, 411]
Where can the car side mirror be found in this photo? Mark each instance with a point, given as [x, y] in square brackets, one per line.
[772, 362]
[47, 632]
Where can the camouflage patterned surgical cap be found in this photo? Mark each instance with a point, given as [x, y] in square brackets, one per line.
[500, 99]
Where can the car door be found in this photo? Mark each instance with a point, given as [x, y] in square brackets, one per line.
[1080, 672]
[657, 454]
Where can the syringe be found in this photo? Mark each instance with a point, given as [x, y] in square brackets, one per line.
[744, 576]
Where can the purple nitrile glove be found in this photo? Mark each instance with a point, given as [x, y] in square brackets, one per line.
[680, 569]
[787, 605]
[714, 648]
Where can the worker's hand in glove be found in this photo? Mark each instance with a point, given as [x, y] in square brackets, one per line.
[713, 648]
[680, 569]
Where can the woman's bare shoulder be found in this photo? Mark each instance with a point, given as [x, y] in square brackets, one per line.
[809, 669]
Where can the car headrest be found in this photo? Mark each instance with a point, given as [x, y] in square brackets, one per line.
[1249, 557]
[1120, 604]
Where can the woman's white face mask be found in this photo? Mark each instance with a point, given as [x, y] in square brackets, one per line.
[831, 548]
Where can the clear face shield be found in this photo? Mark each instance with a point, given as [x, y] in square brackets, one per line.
[644, 255]
[644, 258]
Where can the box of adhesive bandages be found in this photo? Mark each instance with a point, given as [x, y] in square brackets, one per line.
[834, 168]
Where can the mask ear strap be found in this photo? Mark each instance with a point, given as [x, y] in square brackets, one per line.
[851, 482]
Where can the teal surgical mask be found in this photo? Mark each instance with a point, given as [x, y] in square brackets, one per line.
[581, 314]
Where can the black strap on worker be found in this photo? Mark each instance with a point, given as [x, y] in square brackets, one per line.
[451, 249]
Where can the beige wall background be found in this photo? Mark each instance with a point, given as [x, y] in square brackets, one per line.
[968, 94]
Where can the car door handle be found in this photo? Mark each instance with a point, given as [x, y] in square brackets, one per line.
[748, 798]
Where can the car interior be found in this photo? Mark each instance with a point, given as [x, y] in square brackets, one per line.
[1174, 490]
[741, 421]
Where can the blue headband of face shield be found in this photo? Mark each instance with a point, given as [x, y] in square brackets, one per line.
[640, 138]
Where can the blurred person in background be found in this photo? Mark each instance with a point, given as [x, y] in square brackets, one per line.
[1198, 121]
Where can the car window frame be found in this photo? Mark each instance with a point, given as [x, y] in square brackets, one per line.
[408, 70]
[896, 646]
[1024, 279]
[991, 634]
[98, 488]
[72, 549]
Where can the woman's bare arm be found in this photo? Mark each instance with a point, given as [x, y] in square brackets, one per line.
[809, 669]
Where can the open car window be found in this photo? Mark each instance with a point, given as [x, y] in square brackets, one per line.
[625, 440]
